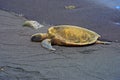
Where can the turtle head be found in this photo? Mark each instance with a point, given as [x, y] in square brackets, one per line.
[38, 37]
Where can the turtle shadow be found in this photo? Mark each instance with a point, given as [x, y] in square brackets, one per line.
[78, 45]
[85, 49]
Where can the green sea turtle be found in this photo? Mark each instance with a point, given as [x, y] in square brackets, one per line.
[66, 35]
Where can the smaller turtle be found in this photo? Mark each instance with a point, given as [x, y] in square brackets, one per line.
[33, 24]
[67, 35]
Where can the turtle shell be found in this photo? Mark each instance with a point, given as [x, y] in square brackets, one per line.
[72, 35]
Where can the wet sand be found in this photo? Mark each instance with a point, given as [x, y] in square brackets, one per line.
[100, 18]
[25, 60]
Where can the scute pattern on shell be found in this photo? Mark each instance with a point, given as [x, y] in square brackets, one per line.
[74, 34]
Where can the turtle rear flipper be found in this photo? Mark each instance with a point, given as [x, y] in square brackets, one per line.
[103, 42]
[47, 44]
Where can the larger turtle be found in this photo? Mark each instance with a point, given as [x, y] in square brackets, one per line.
[66, 35]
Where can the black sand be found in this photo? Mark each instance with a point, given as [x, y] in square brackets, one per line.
[21, 59]
[97, 17]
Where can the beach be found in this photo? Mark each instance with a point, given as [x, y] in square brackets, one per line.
[21, 59]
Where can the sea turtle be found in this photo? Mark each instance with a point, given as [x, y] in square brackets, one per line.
[66, 35]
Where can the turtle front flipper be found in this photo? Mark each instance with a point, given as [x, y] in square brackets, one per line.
[103, 42]
[47, 44]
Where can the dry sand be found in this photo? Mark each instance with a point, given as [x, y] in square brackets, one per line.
[21, 59]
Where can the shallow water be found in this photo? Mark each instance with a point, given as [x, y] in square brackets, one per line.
[115, 4]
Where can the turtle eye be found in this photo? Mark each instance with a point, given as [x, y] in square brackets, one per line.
[36, 39]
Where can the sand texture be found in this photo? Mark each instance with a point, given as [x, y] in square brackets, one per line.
[21, 59]
[25, 60]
